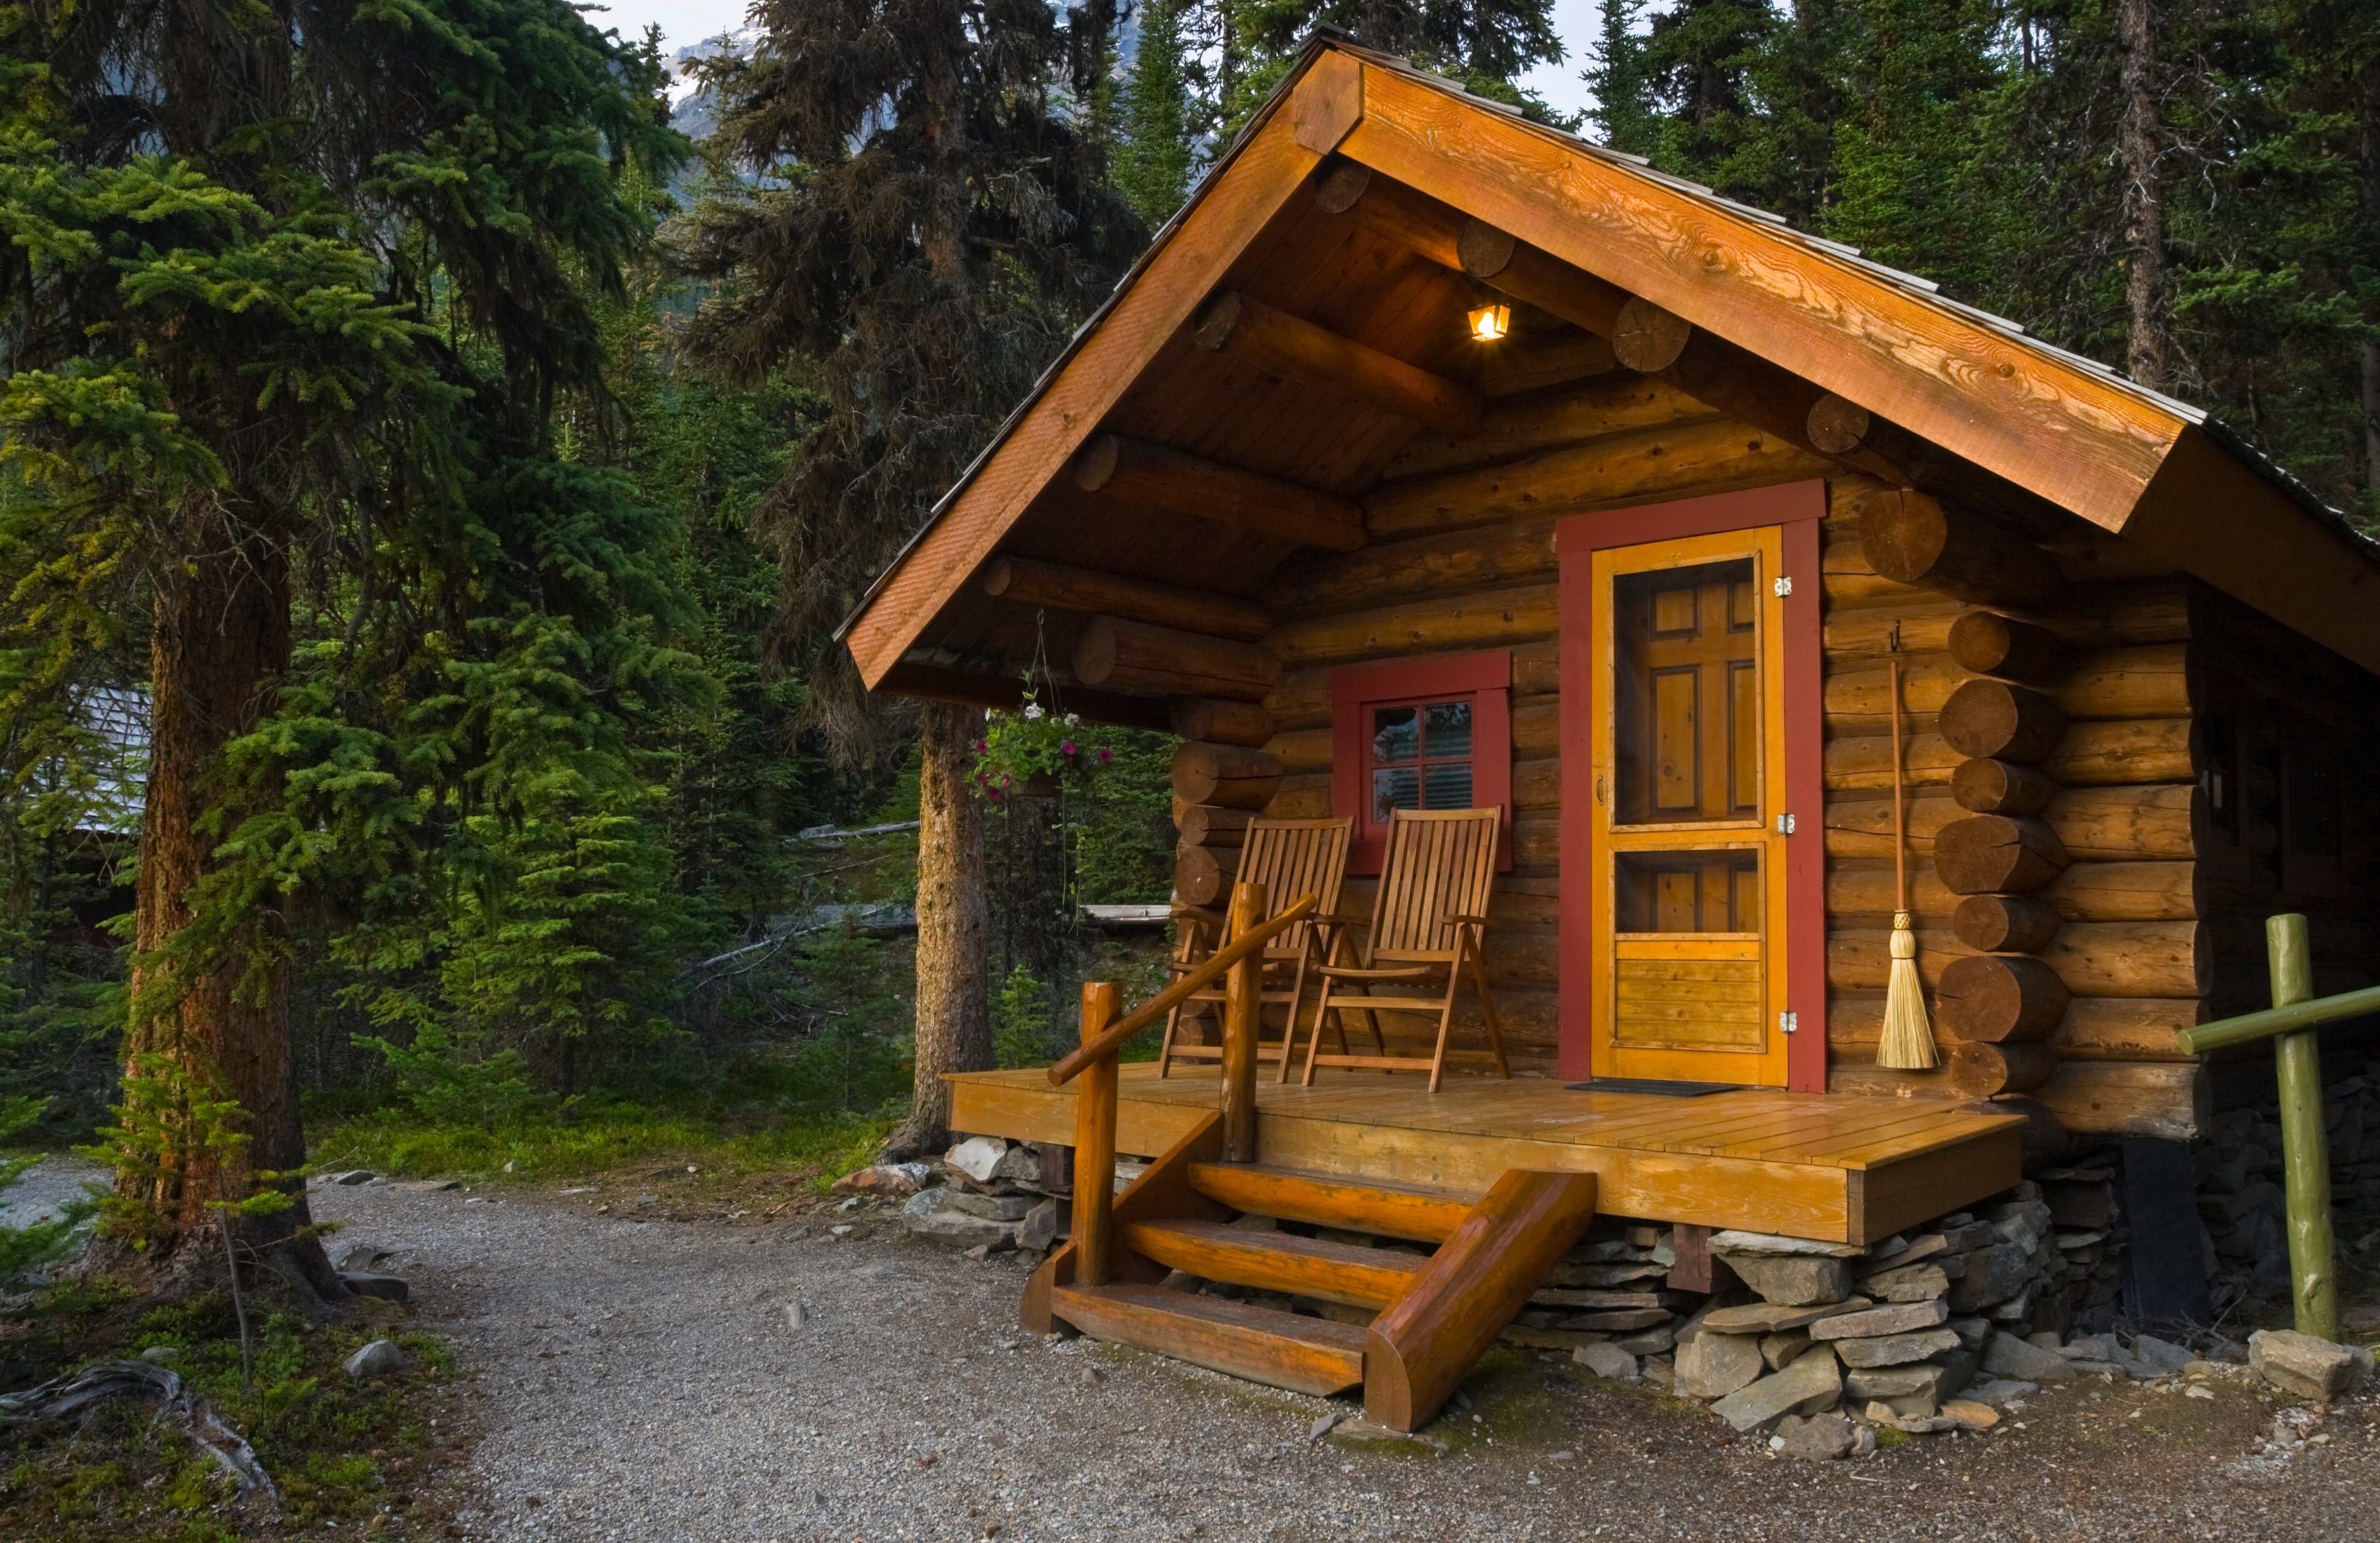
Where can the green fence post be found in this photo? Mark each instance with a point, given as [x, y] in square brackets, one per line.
[2305, 1148]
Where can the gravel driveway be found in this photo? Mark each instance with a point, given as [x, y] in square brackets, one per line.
[640, 1379]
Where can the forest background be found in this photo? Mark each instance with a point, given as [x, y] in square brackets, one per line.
[517, 827]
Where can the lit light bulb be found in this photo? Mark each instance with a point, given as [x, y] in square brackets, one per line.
[1489, 322]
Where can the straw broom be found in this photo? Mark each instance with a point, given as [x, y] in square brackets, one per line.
[1908, 1043]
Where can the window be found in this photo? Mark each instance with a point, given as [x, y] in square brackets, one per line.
[1433, 734]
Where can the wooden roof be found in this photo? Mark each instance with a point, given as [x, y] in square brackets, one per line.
[2040, 430]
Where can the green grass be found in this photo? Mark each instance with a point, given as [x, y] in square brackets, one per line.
[337, 1450]
[815, 1148]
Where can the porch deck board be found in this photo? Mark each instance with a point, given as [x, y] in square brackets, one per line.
[1842, 1167]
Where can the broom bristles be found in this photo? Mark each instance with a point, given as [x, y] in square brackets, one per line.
[1908, 1043]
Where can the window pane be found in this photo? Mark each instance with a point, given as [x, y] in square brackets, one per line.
[1396, 734]
[1685, 694]
[1447, 787]
[1687, 892]
[1396, 789]
[1446, 729]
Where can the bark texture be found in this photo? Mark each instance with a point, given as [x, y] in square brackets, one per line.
[219, 647]
[953, 1001]
[2147, 347]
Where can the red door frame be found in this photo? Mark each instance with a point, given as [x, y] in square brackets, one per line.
[1798, 508]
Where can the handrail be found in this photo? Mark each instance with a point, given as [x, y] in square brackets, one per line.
[2262, 1024]
[1108, 1041]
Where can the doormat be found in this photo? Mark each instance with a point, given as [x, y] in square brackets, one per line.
[1653, 1085]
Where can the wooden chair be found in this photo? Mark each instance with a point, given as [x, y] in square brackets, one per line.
[1290, 858]
[1429, 922]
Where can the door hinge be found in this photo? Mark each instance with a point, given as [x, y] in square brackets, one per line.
[1783, 585]
[1788, 1021]
[1784, 824]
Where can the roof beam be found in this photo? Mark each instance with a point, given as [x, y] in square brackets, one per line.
[1182, 483]
[1281, 343]
[1061, 587]
[940, 683]
[1133, 656]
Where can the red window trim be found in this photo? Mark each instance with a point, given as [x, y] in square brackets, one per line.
[1798, 509]
[1485, 678]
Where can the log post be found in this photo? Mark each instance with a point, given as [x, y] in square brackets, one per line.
[2306, 1155]
[1243, 1012]
[1095, 1137]
[1912, 538]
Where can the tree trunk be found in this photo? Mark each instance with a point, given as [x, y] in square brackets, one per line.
[2370, 82]
[2147, 346]
[214, 1023]
[953, 1005]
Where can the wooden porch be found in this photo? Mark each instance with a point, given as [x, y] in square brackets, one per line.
[1837, 1167]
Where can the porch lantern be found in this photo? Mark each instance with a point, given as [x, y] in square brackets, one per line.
[1490, 321]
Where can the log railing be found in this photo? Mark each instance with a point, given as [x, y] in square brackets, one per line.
[1240, 964]
[2291, 1022]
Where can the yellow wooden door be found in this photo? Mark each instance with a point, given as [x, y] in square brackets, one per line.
[1689, 748]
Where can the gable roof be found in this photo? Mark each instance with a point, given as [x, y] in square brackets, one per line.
[2054, 426]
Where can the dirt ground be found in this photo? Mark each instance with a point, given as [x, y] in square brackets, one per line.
[638, 1375]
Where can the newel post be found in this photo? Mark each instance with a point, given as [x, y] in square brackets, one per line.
[2305, 1148]
[1095, 1139]
[1243, 1012]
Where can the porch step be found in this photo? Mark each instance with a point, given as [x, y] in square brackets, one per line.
[1276, 1261]
[1281, 1349]
[1326, 1200]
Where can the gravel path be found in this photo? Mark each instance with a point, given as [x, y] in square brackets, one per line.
[640, 1380]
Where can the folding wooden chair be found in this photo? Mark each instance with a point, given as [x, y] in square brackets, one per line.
[1291, 858]
[1429, 922]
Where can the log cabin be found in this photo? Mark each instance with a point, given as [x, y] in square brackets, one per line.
[1417, 405]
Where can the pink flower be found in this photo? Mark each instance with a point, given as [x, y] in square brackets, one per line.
[1106, 756]
[1066, 747]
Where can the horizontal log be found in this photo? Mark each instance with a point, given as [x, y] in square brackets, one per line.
[2150, 682]
[1182, 483]
[1495, 258]
[1981, 1071]
[1279, 344]
[1859, 755]
[2095, 1029]
[1986, 643]
[1419, 567]
[1912, 538]
[1994, 719]
[2093, 824]
[2004, 923]
[1202, 875]
[1984, 853]
[1982, 785]
[1301, 700]
[1709, 457]
[1852, 434]
[1301, 798]
[1225, 722]
[1995, 998]
[1536, 725]
[2098, 890]
[1060, 588]
[1210, 825]
[1615, 404]
[1541, 359]
[2174, 1100]
[1392, 211]
[1301, 751]
[1865, 887]
[935, 683]
[2133, 958]
[1537, 784]
[1228, 775]
[1111, 651]
[1479, 619]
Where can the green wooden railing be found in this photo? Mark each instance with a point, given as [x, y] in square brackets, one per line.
[2291, 1023]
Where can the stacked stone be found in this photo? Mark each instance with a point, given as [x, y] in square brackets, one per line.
[1611, 1288]
[2242, 1203]
[986, 1196]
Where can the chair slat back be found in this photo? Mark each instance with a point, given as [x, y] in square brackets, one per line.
[1439, 863]
[1293, 858]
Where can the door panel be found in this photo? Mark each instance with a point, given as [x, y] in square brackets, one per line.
[1688, 868]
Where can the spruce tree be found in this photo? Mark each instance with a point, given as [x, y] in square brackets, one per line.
[1153, 157]
[926, 226]
[291, 293]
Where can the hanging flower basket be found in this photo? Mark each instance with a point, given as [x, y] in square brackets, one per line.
[1035, 753]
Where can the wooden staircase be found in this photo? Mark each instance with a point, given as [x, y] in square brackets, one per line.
[1436, 1314]
[1433, 1316]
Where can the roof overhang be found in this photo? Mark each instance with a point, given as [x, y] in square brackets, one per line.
[2127, 460]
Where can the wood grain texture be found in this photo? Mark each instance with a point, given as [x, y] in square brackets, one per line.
[1278, 343]
[1281, 1349]
[1182, 483]
[1379, 1207]
[1912, 538]
[1999, 998]
[1996, 853]
[1061, 587]
[1422, 1345]
[1224, 723]
[2173, 1099]
[1230, 212]
[1277, 1262]
[1162, 1190]
[1136, 656]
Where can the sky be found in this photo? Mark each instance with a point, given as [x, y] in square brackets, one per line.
[689, 21]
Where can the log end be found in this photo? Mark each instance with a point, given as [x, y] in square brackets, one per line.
[1345, 182]
[1838, 425]
[1648, 339]
[1486, 251]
